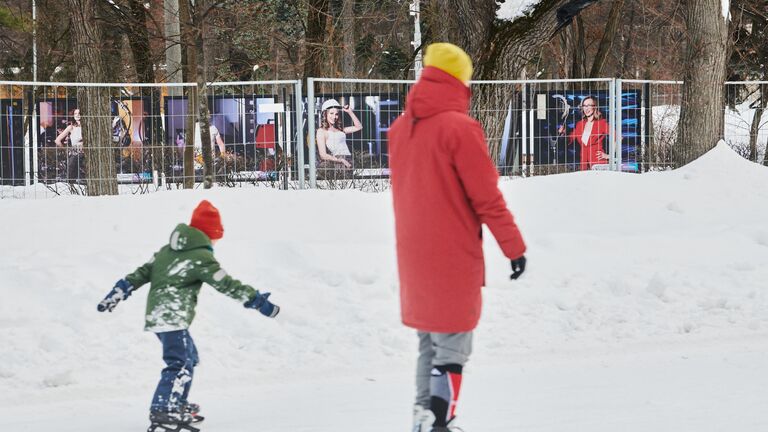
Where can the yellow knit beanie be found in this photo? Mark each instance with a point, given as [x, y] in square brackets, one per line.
[450, 59]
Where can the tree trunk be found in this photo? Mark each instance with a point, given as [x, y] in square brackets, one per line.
[614, 17]
[314, 40]
[145, 70]
[565, 62]
[467, 24]
[203, 113]
[628, 37]
[94, 102]
[172, 31]
[348, 28]
[579, 60]
[510, 49]
[701, 110]
[189, 69]
[138, 39]
[753, 132]
[754, 129]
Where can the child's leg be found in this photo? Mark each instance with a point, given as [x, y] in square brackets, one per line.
[423, 368]
[452, 351]
[194, 360]
[177, 375]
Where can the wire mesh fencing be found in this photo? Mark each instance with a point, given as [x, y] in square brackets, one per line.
[532, 127]
[348, 121]
[746, 120]
[657, 108]
[91, 139]
[541, 127]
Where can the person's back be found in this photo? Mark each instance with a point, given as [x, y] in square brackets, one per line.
[176, 276]
[444, 187]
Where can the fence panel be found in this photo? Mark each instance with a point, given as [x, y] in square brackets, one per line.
[363, 110]
[536, 127]
[658, 108]
[268, 134]
[530, 127]
[255, 136]
[746, 120]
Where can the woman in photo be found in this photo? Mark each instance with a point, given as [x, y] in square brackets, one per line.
[76, 157]
[335, 157]
[590, 133]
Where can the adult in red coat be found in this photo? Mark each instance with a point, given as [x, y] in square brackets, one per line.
[444, 187]
[589, 133]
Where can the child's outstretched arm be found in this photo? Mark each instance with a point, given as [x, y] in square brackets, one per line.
[124, 287]
[211, 273]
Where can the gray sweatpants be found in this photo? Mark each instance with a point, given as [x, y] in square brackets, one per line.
[438, 349]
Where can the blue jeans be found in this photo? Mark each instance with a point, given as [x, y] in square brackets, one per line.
[180, 356]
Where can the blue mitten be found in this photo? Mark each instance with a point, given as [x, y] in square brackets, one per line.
[121, 291]
[262, 303]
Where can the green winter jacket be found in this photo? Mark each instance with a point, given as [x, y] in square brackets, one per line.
[176, 272]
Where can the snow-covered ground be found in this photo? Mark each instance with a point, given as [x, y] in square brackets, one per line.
[644, 308]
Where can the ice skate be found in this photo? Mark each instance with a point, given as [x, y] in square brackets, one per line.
[423, 418]
[194, 410]
[171, 421]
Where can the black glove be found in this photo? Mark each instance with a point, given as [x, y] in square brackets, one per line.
[518, 267]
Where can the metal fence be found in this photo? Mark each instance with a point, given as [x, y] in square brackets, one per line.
[653, 127]
[746, 120]
[268, 134]
[531, 126]
[254, 138]
[348, 121]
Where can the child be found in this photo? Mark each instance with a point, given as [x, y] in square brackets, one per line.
[176, 273]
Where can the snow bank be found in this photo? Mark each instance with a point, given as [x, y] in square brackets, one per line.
[616, 261]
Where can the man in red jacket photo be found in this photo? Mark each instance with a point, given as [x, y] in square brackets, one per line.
[444, 187]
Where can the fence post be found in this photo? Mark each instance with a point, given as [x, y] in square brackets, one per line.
[524, 132]
[299, 134]
[531, 135]
[619, 120]
[27, 142]
[612, 124]
[647, 133]
[311, 124]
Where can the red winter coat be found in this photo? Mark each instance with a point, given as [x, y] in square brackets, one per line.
[589, 152]
[444, 186]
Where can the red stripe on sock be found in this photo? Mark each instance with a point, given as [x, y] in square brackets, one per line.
[455, 383]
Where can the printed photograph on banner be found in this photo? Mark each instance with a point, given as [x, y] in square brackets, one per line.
[61, 154]
[132, 135]
[248, 136]
[351, 134]
[571, 130]
[11, 142]
[60, 141]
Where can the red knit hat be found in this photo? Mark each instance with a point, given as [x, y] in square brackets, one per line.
[206, 218]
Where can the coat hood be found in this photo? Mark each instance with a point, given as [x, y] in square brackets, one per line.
[437, 92]
[184, 238]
